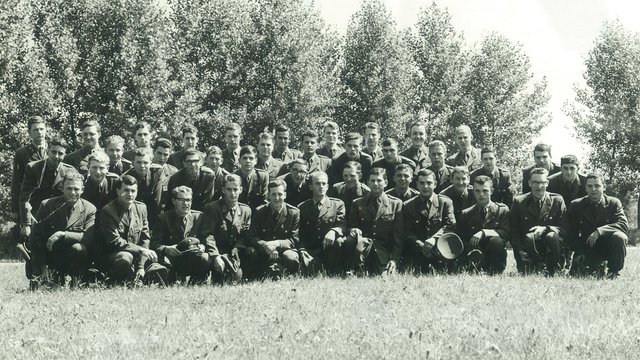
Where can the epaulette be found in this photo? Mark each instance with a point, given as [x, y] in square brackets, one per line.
[112, 175]
[196, 211]
[502, 205]
[205, 169]
[323, 157]
[125, 161]
[67, 165]
[138, 202]
[365, 155]
[551, 195]
[260, 207]
[290, 206]
[393, 197]
[155, 166]
[243, 205]
[364, 186]
[264, 172]
[333, 199]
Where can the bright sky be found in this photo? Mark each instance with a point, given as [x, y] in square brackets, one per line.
[556, 34]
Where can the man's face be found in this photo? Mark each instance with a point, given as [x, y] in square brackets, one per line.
[127, 194]
[418, 135]
[309, 145]
[247, 162]
[436, 154]
[482, 193]
[402, 178]
[192, 164]
[299, 173]
[330, 136]
[595, 189]
[376, 183]
[425, 185]
[352, 147]
[97, 171]
[463, 139]
[390, 153]
[161, 155]
[232, 191]
[569, 172]
[489, 161]
[38, 132]
[538, 184]
[542, 158]
[265, 148]
[277, 196]
[214, 161]
[72, 190]
[143, 137]
[182, 203]
[372, 137]
[351, 177]
[189, 140]
[114, 151]
[232, 138]
[90, 136]
[460, 182]
[55, 155]
[320, 186]
[141, 164]
[282, 140]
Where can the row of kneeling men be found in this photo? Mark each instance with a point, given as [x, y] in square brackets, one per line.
[379, 233]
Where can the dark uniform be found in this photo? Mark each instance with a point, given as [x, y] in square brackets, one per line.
[409, 194]
[501, 179]
[495, 225]
[460, 201]
[425, 219]
[569, 191]
[231, 160]
[23, 156]
[202, 187]
[287, 155]
[131, 154]
[151, 191]
[419, 156]
[78, 158]
[390, 168]
[316, 220]
[230, 232]
[607, 216]
[177, 158]
[375, 154]
[332, 153]
[315, 162]
[381, 221]
[472, 159]
[296, 193]
[100, 194]
[526, 175]
[217, 182]
[527, 212]
[271, 166]
[68, 255]
[171, 229]
[254, 188]
[443, 177]
[347, 196]
[120, 167]
[337, 166]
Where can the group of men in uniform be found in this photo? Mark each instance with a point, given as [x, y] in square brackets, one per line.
[152, 214]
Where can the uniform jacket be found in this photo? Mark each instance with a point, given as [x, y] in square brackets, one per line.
[296, 193]
[177, 159]
[284, 229]
[271, 166]
[583, 218]
[501, 179]
[100, 194]
[287, 155]
[314, 224]
[390, 168]
[23, 156]
[526, 175]
[120, 167]
[202, 187]
[131, 154]
[78, 158]
[254, 190]
[170, 230]
[228, 232]
[330, 153]
[419, 156]
[347, 196]
[422, 224]
[472, 220]
[375, 154]
[568, 191]
[526, 214]
[316, 163]
[409, 194]
[460, 201]
[385, 226]
[337, 166]
[443, 177]
[230, 159]
[151, 191]
[473, 162]
[125, 229]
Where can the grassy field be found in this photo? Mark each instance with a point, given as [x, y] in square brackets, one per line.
[505, 317]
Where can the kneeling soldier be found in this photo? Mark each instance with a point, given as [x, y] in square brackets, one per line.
[484, 229]
[231, 222]
[426, 217]
[62, 222]
[322, 225]
[536, 218]
[180, 237]
[274, 235]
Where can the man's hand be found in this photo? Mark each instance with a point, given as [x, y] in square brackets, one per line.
[591, 240]
[537, 231]
[475, 239]
[329, 239]
[25, 231]
[269, 248]
[391, 267]
[150, 254]
[140, 274]
[53, 239]
[218, 264]
[427, 246]
[355, 232]
[172, 251]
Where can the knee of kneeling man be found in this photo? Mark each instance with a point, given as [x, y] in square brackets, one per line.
[125, 257]
[619, 236]
[78, 248]
[497, 241]
[552, 237]
[290, 256]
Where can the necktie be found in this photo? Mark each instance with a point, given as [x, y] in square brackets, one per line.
[42, 152]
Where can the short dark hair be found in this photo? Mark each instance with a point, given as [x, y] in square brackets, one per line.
[390, 142]
[191, 152]
[483, 179]
[298, 161]
[231, 178]
[73, 176]
[141, 125]
[435, 143]
[401, 167]
[125, 180]
[594, 176]
[248, 149]
[542, 147]
[352, 136]
[142, 152]
[213, 150]
[35, 120]
[487, 150]
[281, 128]
[90, 123]
[163, 142]
[378, 171]
[569, 159]
[58, 141]
[539, 171]
[188, 128]
[372, 125]
[425, 172]
[276, 183]
[310, 134]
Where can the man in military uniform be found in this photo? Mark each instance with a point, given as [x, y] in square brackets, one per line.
[148, 184]
[142, 135]
[314, 161]
[536, 218]
[353, 143]
[437, 154]
[460, 191]
[503, 190]
[426, 217]
[597, 229]
[297, 185]
[125, 233]
[377, 226]
[231, 221]
[61, 223]
[273, 236]
[351, 188]
[372, 139]
[282, 150]
[568, 182]
[542, 159]
[254, 181]
[99, 186]
[322, 227]
[391, 159]
[90, 131]
[162, 149]
[267, 162]
[189, 142]
[196, 177]
[42, 180]
[467, 155]
[180, 236]
[114, 147]
[485, 227]
[330, 147]
[403, 178]
[213, 161]
[34, 151]
[417, 152]
[231, 154]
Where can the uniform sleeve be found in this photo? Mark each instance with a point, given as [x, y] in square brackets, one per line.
[516, 231]
[504, 224]
[254, 229]
[293, 240]
[398, 233]
[448, 220]
[619, 222]
[409, 217]
[206, 235]
[16, 182]
[569, 228]
[89, 222]
[29, 183]
[354, 217]
[160, 234]
[341, 220]
[109, 226]
[263, 191]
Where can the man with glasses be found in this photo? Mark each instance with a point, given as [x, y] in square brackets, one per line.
[297, 186]
[196, 177]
